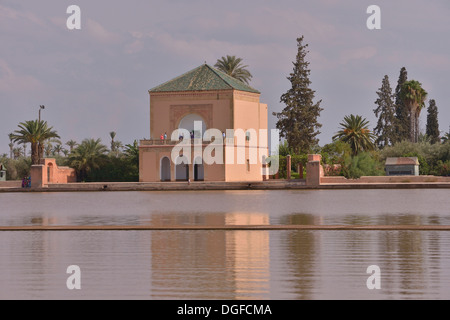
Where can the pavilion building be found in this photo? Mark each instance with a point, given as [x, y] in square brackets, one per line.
[204, 126]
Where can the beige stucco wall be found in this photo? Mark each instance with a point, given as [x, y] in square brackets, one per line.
[249, 115]
[48, 172]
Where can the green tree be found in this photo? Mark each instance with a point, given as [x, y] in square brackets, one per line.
[89, 155]
[355, 131]
[112, 134]
[414, 97]
[17, 153]
[71, 144]
[131, 151]
[36, 133]
[58, 149]
[11, 145]
[432, 130]
[403, 121]
[385, 129]
[233, 67]
[297, 122]
[446, 137]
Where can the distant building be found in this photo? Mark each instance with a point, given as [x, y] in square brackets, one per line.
[202, 99]
[2, 172]
[402, 166]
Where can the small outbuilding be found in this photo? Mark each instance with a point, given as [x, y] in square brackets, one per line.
[404, 166]
[2, 172]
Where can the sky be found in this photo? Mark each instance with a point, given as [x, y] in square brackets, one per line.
[95, 80]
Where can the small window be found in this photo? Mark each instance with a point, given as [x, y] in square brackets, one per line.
[247, 136]
[248, 165]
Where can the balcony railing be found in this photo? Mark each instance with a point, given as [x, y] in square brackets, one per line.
[168, 142]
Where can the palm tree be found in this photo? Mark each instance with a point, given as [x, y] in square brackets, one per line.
[414, 97]
[90, 154]
[11, 145]
[71, 144]
[58, 149]
[233, 67]
[36, 133]
[24, 149]
[17, 152]
[112, 134]
[355, 132]
[131, 151]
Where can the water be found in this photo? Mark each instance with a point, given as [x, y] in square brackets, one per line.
[207, 264]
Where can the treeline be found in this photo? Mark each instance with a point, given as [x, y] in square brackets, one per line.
[356, 149]
[91, 159]
[338, 159]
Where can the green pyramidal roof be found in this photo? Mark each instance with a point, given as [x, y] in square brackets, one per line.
[203, 78]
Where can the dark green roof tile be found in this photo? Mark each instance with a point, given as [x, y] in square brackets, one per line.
[203, 78]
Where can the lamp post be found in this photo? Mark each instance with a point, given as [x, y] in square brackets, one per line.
[40, 108]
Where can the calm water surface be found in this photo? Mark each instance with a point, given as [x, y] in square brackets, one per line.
[226, 264]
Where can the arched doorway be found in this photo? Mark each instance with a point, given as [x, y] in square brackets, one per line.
[165, 169]
[181, 169]
[199, 170]
[50, 173]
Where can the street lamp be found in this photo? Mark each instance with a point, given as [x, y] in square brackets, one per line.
[40, 108]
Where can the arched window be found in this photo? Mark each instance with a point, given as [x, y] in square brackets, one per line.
[194, 124]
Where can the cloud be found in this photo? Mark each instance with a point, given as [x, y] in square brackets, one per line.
[12, 82]
[99, 33]
[8, 13]
[363, 53]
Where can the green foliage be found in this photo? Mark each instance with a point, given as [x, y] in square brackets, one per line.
[429, 155]
[132, 153]
[36, 133]
[402, 122]
[89, 155]
[363, 164]
[335, 152]
[297, 122]
[284, 149]
[92, 163]
[413, 95]
[385, 112]
[295, 160]
[432, 129]
[234, 68]
[446, 138]
[355, 131]
[114, 169]
[443, 168]
[16, 169]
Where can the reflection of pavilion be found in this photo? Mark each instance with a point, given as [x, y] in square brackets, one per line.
[240, 258]
[250, 258]
[196, 103]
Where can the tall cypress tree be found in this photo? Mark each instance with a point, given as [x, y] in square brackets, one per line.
[402, 125]
[385, 112]
[432, 130]
[298, 120]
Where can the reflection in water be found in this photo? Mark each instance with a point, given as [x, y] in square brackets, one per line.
[226, 264]
[302, 255]
[233, 264]
[426, 206]
[248, 256]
